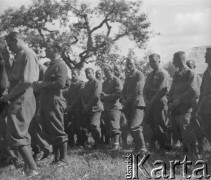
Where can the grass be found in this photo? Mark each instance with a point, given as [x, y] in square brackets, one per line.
[88, 164]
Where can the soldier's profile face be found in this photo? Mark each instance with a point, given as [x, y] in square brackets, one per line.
[154, 63]
[130, 65]
[117, 71]
[89, 74]
[75, 75]
[49, 51]
[98, 75]
[107, 73]
[176, 61]
[13, 46]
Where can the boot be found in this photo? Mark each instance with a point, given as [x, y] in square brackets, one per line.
[45, 155]
[28, 159]
[140, 146]
[115, 141]
[63, 154]
[56, 154]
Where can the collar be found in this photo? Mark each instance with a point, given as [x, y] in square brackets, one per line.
[182, 70]
[132, 73]
[54, 61]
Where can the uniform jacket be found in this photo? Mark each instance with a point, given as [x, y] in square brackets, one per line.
[157, 85]
[133, 89]
[55, 78]
[73, 94]
[113, 88]
[91, 94]
[4, 82]
[24, 72]
[183, 88]
[205, 97]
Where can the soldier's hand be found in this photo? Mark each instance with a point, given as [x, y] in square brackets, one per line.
[38, 85]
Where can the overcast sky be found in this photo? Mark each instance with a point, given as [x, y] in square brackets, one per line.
[182, 24]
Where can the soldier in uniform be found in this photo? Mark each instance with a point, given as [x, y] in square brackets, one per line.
[191, 64]
[183, 90]
[204, 105]
[74, 106]
[53, 104]
[123, 121]
[105, 137]
[155, 90]
[6, 155]
[38, 144]
[118, 73]
[22, 107]
[133, 102]
[112, 88]
[92, 106]
[195, 125]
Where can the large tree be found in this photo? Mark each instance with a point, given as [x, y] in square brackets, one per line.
[87, 33]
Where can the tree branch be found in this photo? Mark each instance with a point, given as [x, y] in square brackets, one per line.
[41, 34]
[100, 25]
[109, 28]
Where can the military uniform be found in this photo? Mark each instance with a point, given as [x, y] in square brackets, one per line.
[183, 89]
[24, 72]
[112, 87]
[123, 120]
[73, 119]
[91, 99]
[134, 106]
[37, 141]
[53, 104]
[205, 103]
[155, 90]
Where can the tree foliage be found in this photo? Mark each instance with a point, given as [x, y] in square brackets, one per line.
[87, 33]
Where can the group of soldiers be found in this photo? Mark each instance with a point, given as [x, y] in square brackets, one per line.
[38, 110]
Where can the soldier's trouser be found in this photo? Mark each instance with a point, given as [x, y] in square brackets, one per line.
[33, 127]
[159, 123]
[112, 119]
[52, 121]
[105, 136]
[205, 122]
[124, 127]
[20, 114]
[74, 126]
[176, 129]
[92, 121]
[4, 150]
[184, 122]
[135, 118]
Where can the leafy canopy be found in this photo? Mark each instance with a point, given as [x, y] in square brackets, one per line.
[87, 33]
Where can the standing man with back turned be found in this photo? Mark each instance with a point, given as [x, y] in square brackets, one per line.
[24, 72]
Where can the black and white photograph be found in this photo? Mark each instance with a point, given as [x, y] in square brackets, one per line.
[105, 89]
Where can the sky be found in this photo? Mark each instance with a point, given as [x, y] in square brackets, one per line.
[182, 24]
